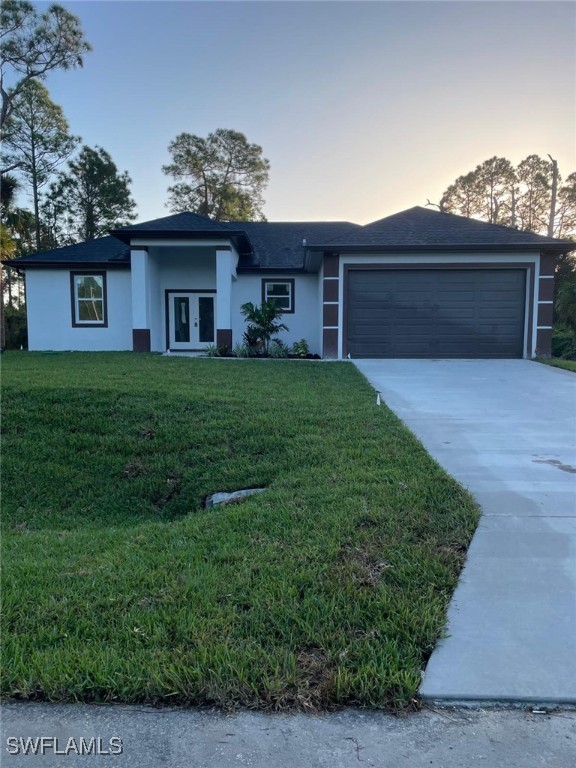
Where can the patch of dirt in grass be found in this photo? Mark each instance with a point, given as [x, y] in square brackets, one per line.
[173, 485]
[367, 569]
[316, 678]
[147, 433]
[453, 550]
[135, 469]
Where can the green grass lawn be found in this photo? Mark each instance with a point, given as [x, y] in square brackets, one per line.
[558, 362]
[330, 588]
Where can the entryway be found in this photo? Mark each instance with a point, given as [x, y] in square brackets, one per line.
[190, 320]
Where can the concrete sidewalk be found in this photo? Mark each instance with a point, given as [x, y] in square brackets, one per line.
[151, 738]
[506, 429]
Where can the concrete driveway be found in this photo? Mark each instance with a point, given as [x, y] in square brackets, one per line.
[506, 430]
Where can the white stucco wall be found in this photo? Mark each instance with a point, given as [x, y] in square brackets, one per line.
[302, 324]
[49, 309]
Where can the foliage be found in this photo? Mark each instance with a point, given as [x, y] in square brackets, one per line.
[564, 343]
[263, 323]
[15, 327]
[566, 303]
[241, 350]
[221, 176]
[278, 349]
[33, 44]
[117, 585]
[38, 141]
[90, 198]
[300, 348]
[530, 197]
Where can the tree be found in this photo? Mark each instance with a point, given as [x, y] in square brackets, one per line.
[16, 228]
[37, 133]
[221, 176]
[32, 44]
[90, 198]
[530, 196]
[262, 323]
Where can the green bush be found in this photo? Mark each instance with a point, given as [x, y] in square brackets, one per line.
[300, 348]
[15, 328]
[564, 343]
[277, 348]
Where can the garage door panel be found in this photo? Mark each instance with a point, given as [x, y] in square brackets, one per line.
[436, 313]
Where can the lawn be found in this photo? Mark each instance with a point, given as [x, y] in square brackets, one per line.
[329, 588]
[558, 362]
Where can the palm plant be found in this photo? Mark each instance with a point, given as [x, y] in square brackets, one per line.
[262, 323]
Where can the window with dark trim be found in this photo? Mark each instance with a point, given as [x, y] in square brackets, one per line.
[281, 292]
[89, 301]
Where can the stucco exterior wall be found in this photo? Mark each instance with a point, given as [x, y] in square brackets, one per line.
[49, 308]
[302, 324]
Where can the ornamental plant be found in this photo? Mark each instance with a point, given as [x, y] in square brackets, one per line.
[262, 323]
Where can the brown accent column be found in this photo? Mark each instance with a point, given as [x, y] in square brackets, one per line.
[544, 342]
[330, 306]
[140, 340]
[224, 338]
[330, 343]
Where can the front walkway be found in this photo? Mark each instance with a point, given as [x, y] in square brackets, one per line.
[506, 430]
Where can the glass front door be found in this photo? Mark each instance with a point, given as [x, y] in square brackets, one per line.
[190, 320]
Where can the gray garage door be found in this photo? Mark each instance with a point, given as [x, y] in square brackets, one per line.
[436, 313]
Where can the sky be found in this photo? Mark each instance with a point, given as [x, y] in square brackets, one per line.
[362, 108]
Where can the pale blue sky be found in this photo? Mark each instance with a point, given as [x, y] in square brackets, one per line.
[362, 108]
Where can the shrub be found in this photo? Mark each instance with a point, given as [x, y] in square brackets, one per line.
[300, 348]
[263, 323]
[241, 350]
[212, 350]
[277, 348]
[564, 343]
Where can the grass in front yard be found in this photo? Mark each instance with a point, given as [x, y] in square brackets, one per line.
[558, 362]
[330, 588]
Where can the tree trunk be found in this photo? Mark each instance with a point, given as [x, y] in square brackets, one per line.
[35, 196]
[553, 198]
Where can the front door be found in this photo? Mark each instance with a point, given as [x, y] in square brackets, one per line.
[190, 320]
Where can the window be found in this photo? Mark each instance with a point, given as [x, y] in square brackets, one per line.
[88, 290]
[281, 292]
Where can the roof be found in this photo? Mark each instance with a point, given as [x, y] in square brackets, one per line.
[282, 245]
[178, 224]
[104, 250]
[264, 245]
[426, 229]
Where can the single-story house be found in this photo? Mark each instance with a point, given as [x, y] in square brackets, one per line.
[420, 283]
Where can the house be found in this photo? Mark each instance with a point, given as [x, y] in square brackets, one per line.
[420, 283]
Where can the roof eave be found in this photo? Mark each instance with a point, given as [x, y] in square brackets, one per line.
[558, 247]
[157, 234]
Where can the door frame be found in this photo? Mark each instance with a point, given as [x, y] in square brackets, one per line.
[167, 292]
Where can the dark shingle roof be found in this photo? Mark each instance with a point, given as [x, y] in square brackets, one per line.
[280, 245]
[177, 223]
[105, 250]
[423, 227]
[266, 245]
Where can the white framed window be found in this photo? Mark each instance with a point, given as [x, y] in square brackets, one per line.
[88, 294]
[281, 292]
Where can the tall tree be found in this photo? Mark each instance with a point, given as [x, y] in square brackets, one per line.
[32, 44]
[530, 196]
[221, 176]
[91, 197]
[38, 136]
